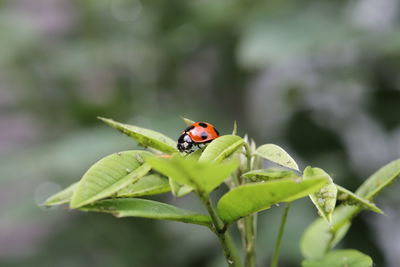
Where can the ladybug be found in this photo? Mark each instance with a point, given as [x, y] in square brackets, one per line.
[196, 134]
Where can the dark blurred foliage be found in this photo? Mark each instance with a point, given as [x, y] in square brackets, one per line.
[320, 78]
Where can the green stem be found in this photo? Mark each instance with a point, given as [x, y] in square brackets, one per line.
[250, 241]
[275, 257]
[220, 229]
[249, 224]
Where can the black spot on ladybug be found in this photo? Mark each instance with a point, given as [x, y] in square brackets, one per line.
[216, 130]
[204, 135]
[191, 127]
[202, 124]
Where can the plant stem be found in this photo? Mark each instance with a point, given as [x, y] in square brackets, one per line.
[220, 229]
[250, 241]
[249, 224]
[275, 257]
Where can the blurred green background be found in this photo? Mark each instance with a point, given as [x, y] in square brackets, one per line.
[320, 78]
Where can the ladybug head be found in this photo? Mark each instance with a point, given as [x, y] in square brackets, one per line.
[185, 143]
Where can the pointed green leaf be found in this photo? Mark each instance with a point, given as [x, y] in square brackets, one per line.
[349, 198]
[221, 148]
[324, 199]
[234, 131]
[187, 121]
[249, 198]
[319, 237]
[61, 197]
[108, 176]
[253, 146]
[152, 184]
[341, 258]
[379, 180]
[269, 174]
[179, 190]
[276, 154]
[202, 176]
[145, 137]
[136, 207]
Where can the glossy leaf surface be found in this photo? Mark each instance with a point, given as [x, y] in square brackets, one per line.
[221, 148]
[109, 175]
[250, 198]
[202, 176]
[276, 154]
[152, 184]
[144, 137]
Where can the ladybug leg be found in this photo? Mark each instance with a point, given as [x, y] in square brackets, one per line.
[201, 145]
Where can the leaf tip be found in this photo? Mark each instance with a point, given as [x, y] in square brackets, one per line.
[328, 219]
[108, 121]
[76, 203]
[234, 131]
[102, 118]
[378, 210]
[187, 121]
[45, 204]
[73, 205]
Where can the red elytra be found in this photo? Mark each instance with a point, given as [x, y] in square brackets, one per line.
[197, 133]
[201, 134]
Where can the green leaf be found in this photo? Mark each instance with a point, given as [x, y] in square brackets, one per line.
[202, 176]
[194, 155]
[319, 237]
[325, 199]
[379, 180]
[108, 176]
[341, 258]
[221, 148]
[61, 197]
[249, 198]
[179, 190]
[349, 198]
[276, 154]
[234, 131]
[152, 184]
[187, 121]
[145, 137]
[269, 174]
[136, 207]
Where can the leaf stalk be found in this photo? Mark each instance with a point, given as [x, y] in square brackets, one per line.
[249, 223]
[275, 257]
[225, 239]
